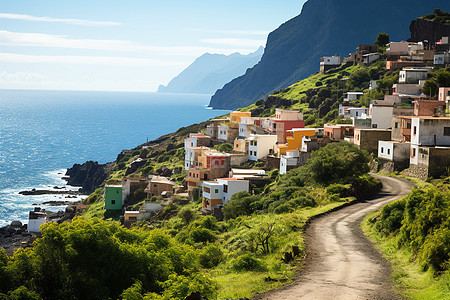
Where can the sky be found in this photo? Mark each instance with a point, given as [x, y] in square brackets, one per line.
[133, 45]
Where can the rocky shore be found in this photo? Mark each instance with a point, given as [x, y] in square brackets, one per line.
[15, 236]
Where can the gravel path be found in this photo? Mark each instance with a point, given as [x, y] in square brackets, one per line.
[341, 262]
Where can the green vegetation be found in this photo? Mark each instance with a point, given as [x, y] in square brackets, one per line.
[439, 78]
[319, 95]
[414, 234]
[438, 16]
[185, 252]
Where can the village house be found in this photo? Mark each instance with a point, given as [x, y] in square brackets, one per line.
[329, 62]
[130, 185]
[294, 142]
[444, 96]
[397, 48]
[430, 146]
[361, 52]
[246, 174]
[35, 219]
[353, 96]
[159, 185]
[250, 125]
[113, 197]
[337, 132]
[368, 138]
[191, 156]
[218, 192]
[260, 146]
[197, 140]
[210, 165]
[412, 75]
[144, 212]
[296, 158]
[227, 133]
[394, 155]
[212, 128]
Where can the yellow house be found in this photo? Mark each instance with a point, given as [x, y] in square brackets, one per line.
[294, 142]
[235, 116]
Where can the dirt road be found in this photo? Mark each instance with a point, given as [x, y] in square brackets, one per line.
[341, 262]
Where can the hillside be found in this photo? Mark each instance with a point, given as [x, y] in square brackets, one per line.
[324, 27]
[210, 72]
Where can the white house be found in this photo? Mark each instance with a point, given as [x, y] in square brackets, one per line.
[412, 75]
[352, 96]
[430, 131]
[395, 152]
[356, 112]
[218, 192]
[289, 161]
[260, 146]
[35, 219]
[222, 132]
[381, 116]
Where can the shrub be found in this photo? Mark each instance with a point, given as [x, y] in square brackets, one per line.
[187, 215]
[211, 256]
[202, 235]
[337, 162]
[247, 262]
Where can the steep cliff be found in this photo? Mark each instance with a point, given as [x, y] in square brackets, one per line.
[427, 30]
[324, 27]
[210, 72]
[90, 175]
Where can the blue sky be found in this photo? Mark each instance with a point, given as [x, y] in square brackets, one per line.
[132, 45]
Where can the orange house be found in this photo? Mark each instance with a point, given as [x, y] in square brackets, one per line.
[295, 141]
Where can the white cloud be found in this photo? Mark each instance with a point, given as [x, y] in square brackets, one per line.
[86, 60]
[8, 38]
[49, 19]
[236, 32]
[235, 42]
[21, 77]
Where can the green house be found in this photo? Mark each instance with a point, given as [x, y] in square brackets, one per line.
[113, 197]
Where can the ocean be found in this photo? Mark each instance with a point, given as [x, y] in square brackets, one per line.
[42, 133]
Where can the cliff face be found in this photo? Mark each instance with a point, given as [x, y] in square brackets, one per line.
[427, 30]
[210, 72]
[88, 176]
[324, 27]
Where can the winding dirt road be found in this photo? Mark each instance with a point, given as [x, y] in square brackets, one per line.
[341, 262]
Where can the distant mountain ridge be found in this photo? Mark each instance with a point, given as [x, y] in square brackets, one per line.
[324, 27]
[210, 72]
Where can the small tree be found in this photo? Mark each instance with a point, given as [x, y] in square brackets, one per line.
[430, 88]
[187, 215]
[382, 39]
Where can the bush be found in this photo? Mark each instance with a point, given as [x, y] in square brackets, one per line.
[187, 215]
[202, 235]
[211, 256]
[247, 262]
[337, 162]
[239, 205]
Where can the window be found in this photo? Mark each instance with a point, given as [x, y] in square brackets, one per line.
[374, 125]
[356, 113]
[413, 152]
[382, 150]
[225, 188]
[395, 125]
[415, 130]
[133, 218]
[206, 189]
[216, 191]
[205, 176]
[113, 202]
[447, 131]
[389, 151]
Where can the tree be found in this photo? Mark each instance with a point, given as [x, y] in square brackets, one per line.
[337, 162]
[187, 215]
[430, 88]
[225, 148]
[240, 204]
[382, 39]
[443, 78]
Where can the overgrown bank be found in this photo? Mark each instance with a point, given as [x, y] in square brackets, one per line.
[414, 234]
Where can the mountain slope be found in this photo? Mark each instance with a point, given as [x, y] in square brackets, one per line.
[324, 27]
[210, 72]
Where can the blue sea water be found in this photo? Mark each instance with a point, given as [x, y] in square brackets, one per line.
[42, 133]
